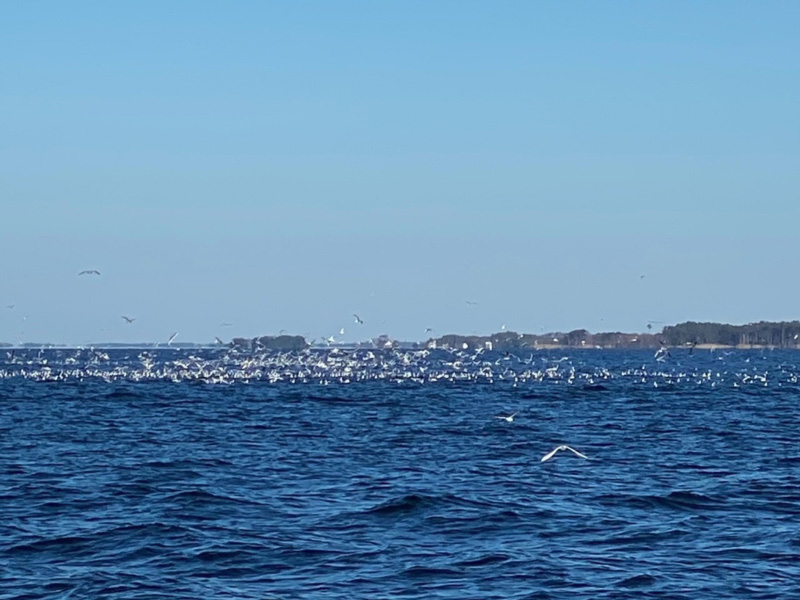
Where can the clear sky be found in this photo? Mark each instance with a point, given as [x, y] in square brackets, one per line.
[282, 165]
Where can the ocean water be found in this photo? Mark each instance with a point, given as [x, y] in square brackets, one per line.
[208, 474]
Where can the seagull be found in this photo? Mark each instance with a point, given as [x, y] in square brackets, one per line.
[172, 337]
[429, 329]
[359, 320]
[509, 418]
[471, 303]
[219, 341]
[226, 324]
[552, 453]
[341, 331]
[11, 307]
[129, 319]
[89, 272]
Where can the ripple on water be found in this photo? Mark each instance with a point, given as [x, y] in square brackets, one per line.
[121, 480]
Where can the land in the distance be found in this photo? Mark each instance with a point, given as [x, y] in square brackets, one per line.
[764, 334]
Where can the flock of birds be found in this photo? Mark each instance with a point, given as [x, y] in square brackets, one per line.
[232, 365]
[337, 366]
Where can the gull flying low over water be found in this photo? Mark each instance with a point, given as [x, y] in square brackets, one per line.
[128, 319]
[509, 418]
[552, 453]
[359, 320]
[89, 272]
[171, 338]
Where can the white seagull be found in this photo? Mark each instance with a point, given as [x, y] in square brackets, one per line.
[89, 272]
[509, 418]
[552, 453]
[171, 338]
[129, 319]
[358, 319]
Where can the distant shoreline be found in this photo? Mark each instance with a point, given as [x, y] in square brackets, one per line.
[368, 345]
[763, 335]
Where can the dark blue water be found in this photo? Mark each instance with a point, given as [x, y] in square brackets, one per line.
[136, 477]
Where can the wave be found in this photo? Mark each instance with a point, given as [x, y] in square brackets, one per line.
[677, 500]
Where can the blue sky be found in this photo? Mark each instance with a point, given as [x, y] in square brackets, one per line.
[282, 165]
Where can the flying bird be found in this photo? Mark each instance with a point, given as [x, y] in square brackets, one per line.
[11, 307]
[129, 319]
[172, 337]
[226, 324]
[471, 303]
[219, 341]
[552, 453]
[358, 319]
[89, 272]
[509, 418]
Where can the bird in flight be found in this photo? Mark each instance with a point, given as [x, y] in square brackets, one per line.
[226, 324]
[358, 319]
[509, 418]
[10, 306]
[471, 303]
[219, 341]
[552, 453]
[129, 319]
[171, 338]
[90, 272]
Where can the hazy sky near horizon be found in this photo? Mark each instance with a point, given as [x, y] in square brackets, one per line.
[282, 165]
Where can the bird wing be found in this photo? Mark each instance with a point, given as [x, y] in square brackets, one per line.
[576, 452]
[551, 454]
